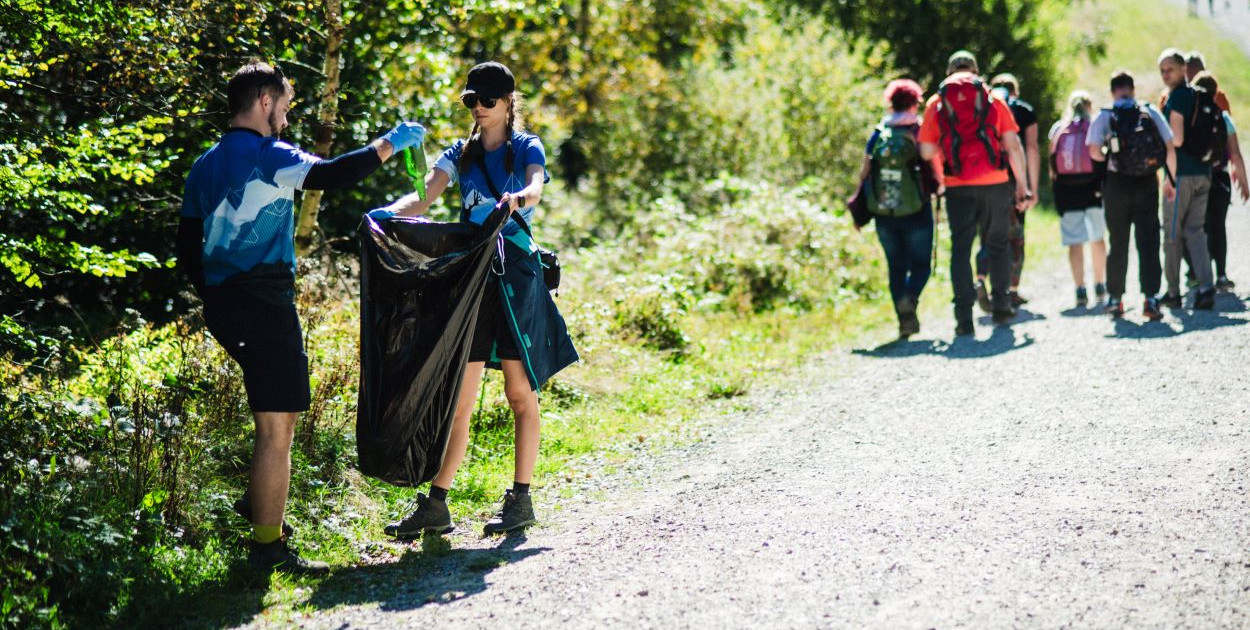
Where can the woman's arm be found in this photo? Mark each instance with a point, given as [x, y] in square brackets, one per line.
[1239, 166]
[533, 193]
[412, 205]
[864, 169]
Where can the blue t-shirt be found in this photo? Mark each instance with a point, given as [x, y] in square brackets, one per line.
[243, 188]
[1182, 100]
[475, 193]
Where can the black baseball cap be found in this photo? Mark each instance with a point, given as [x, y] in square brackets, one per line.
[490, 80]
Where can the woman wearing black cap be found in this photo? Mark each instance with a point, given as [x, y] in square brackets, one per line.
[518, 328]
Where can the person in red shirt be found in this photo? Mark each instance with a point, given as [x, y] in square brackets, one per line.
[977, 137]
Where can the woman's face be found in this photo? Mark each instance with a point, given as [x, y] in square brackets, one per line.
[491, 117]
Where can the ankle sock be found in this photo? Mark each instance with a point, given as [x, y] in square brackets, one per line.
[438, 494]
[265, 534]
[520, 488]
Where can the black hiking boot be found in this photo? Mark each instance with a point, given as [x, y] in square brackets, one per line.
[243, 507]
[277, 556]
[1100, 292]
[1114, 308]
[983, 297]
[517, 512]
[1017, 300]
[1170, 301]
[1151, 309]
[965, 328]
[431, 515]
[1082, 297]
[1003, 318]
[1205, 300]
[908, 323]
[1224, 285]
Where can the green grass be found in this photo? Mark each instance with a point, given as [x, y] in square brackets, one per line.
[1135, 32]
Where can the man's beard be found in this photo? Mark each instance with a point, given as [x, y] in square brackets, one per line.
[274, 130]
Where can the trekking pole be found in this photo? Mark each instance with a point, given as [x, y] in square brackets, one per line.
[937, 219]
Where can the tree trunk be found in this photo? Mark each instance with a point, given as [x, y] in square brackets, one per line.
[327, 116]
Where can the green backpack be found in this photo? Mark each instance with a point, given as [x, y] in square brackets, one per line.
[893, 186]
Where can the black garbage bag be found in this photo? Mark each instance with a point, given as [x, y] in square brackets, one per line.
[421, 285]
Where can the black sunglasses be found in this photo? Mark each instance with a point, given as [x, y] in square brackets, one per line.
[471, 101]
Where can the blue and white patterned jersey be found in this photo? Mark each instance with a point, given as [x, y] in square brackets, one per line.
[243, 188]
[475, 193]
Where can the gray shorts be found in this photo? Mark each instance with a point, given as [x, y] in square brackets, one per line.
[1082, 226]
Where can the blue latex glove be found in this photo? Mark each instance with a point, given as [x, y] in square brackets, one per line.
[381, 214]
[405, 134]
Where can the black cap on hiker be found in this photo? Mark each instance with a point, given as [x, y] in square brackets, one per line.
[961, 59]
[490, 80]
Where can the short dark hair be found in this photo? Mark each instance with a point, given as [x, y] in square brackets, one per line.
[1121, 79]
[1206, 81]
[1173, 54]
[1007, 80]
[1194, 60]
[253, 80]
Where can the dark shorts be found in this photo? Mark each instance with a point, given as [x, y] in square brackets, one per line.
[265, 339]
[492, 336]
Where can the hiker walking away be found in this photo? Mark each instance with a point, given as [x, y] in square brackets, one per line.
[1007, 87]
[519, 330]
[236, 245]
[1135, 141]
[977, 138]
[1076, 181]
[1195, 63]
[1221, 196]
[896, 187]
[1194, 119]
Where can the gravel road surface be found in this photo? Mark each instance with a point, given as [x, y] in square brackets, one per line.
[1068, 471]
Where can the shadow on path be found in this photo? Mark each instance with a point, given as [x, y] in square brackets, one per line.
[1190, 321]
[435, 574]
[1001, 341]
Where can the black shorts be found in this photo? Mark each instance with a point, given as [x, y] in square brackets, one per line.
[265, 339]
[492, 336]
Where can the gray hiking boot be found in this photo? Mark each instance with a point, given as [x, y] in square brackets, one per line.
[431, 516]
[277, 556]
[517, 512]
[908, 323]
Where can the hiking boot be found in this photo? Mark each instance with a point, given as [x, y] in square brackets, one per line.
[1100, 291]
[964, 328]
[1082, 297]
[1114, 308]
[1170, 301]
[908, 324]
[1224, 285]
[517, 512]
[1205, 300]
[1151, 309]
[431, 515]
[1002, 318]
[277, 556]
[983, 297]
[1017, 300]
[243, 507]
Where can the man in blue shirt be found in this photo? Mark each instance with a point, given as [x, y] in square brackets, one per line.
[236, 246]
[1185, 208]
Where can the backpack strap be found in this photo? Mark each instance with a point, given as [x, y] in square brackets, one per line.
[951, 122]
[982, 106]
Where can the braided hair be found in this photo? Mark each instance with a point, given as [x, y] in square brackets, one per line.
[473, 148]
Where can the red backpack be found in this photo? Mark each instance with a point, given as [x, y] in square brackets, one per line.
[1071, 156]
[968, 122]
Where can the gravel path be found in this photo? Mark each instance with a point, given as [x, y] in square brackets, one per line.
[1069, 471]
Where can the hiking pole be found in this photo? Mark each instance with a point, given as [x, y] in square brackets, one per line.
[937, 218]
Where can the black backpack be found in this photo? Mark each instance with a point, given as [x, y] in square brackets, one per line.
[1206, 137]
[1136, 148]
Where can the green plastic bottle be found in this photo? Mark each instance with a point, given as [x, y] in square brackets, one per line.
[416, 168]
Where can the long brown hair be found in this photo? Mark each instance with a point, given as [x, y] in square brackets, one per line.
[473, 144]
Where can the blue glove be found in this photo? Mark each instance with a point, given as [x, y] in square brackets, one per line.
[381, 214]
[406, 134]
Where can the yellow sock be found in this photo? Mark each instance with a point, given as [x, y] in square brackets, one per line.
[265, 534]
